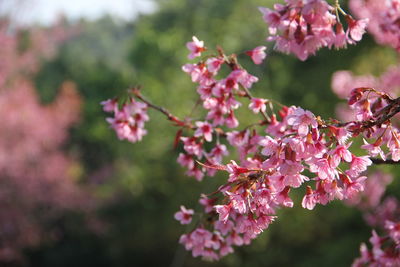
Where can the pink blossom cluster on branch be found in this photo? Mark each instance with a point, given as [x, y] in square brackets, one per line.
[276, 153]
[128, 122]
[382, 215]
[273, 163]
[302, 27]
[385, 248]
[364, 102]
[384, 18]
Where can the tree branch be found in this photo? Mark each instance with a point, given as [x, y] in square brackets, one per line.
[136, 92]
[378, 161]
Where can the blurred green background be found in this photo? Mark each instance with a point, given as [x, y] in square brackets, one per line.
[141, 184]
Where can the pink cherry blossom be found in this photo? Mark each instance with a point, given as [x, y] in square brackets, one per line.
[358, 165]
[235, 170]
[208, 203]
[218, 152]
[186, 160]
[214, 64]
[192, 147]
[302, 120]
[383, 19]
[204, 129]
[110, 105]
[258, 105]
[196, 47]
[257, 54]
[184, 216]
[374, 149]
[223, 211]
[357, 28]
[309, 199]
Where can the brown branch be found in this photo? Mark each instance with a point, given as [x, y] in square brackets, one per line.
[136, 92]
[381, 161]
[388, 112]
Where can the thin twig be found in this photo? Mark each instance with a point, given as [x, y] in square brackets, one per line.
[381, 161]
[136, 92]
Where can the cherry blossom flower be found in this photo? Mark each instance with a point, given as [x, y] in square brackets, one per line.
[223, 211]
[204, 129]
[196, 47]
[214, 64]
[309, 199]
[110, 105]
[383, 19]
[356, 28]
[186, 160]
[302, 120]
[184, 216]
[258, 105]
[257, 54]
[235, 170]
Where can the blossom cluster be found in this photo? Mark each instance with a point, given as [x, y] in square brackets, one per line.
[384, 19]
[343, 82]
[219, 99]
[385, 249]
[302, 27]
[373, 107]
[370, 198]
[128, 121]
[367, 104]
[289, 150]
[272, 165]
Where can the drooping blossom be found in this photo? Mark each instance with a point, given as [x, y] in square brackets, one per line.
[184, 216]
[383, 19]
[128, 122]
[257, 54]
[195, 47]
[204, 129]
[258, 105]
[303, 27]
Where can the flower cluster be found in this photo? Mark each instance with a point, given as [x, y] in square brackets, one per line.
[370, 198]
[373, 110]
[271, 166]
[366, 104]
[302, 27]
[343, 82]
[219, 100]
[285, 151]
[384, 19]
[385, 250]
[273, 163]
[128, 122]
